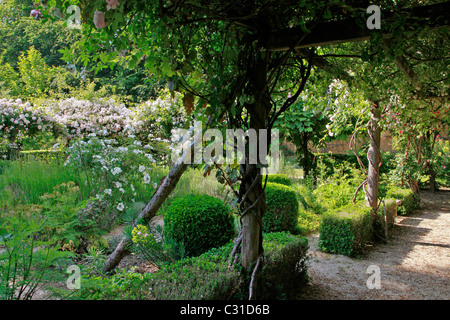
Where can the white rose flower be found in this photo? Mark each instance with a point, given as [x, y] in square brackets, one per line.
[116, 170]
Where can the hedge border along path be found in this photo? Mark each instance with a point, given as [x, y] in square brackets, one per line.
[414, 264]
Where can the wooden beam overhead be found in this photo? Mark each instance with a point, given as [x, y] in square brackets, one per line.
[349, 30]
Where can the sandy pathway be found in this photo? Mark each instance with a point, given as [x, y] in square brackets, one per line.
[415, 264]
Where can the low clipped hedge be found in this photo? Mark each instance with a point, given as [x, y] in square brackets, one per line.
[209, 277]
[346, 230]
[278, 178]
[199, 222]
[42, 155]
[389, 207]
[285, 269]
[409, 201]
[391, 212]
[282, 209]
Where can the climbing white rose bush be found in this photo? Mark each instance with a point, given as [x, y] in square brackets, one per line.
[113, 171]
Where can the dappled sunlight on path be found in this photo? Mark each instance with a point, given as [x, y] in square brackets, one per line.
[414, 264]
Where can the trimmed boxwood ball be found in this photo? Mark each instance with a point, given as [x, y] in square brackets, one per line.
[200, 222]
[282, 209]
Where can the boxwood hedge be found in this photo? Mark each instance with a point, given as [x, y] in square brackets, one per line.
[346, 230]
[282, 209]
[409, 201]
[200, 222]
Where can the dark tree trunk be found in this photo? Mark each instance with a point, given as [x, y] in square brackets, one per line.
[255, 199]
[432, 174]
[306, 155]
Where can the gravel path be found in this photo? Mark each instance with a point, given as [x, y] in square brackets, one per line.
[414, 264]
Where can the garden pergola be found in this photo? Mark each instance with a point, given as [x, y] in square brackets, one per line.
[340, 27]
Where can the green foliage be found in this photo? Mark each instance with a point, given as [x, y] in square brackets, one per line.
[26, 262]
[72, 222]
[285, 266]
[8, 80]
[206, 277]
[278, 178]
[334, 194]
[25, 182]
[410, 202]
[302, 124]
[346, 230]
[307, 199]
[308, 221]
[282, 209]
[34, 73]
[123, 285]
[156, 251]
[200, 222]
[209, 277]
[47, 37]
[344, 164]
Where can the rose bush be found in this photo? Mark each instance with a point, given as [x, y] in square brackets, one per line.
[114, 170]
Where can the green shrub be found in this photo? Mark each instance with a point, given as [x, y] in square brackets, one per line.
[335, 194]
[391, 212]
[282, 209]
[72, 222]
[308, 221]
[346, 230]
[200, 222]
[284, 270]
[307, 198]
[209, 277]
[278, 178]
[153, 250]
[329, 160]
[409, 200]
[27, 262]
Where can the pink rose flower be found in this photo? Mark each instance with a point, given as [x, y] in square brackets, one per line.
[112, 4]
[99, 20]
